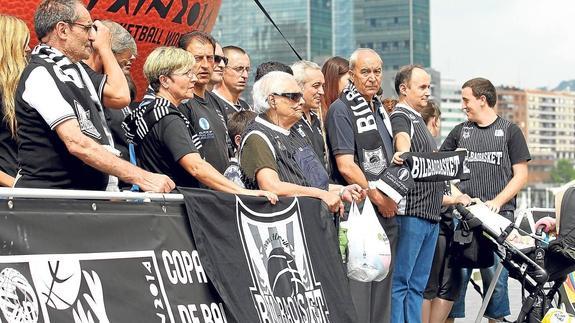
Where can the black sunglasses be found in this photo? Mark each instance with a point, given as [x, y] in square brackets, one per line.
[294, 96]
[218, 59]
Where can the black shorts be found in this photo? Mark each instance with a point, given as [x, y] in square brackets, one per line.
[444, 280]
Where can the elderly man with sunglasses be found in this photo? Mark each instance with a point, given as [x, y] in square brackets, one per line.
[235, 80]
[205, 111]
[63, 139]
[275, 157]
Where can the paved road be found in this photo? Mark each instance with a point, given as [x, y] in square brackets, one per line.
[473, 302]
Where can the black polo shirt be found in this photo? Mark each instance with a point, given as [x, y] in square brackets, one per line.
[209, 124]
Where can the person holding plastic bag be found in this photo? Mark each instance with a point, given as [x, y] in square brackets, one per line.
[359, 137]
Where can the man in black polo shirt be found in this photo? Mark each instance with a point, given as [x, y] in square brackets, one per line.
[207, 116]
[497, 156]
[62, 137]
[311, 80]
[419, 212]
[359, 137]
[235, 79]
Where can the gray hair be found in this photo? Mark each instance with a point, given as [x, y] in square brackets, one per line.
[355, 54]
[270, 83]
[300, 70]
[50, 12]
[122, 40]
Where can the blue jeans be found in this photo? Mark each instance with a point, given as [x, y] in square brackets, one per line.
[414, 255]
[498, 306]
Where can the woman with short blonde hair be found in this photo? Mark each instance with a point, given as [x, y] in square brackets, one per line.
[165, 139]
[13, 59]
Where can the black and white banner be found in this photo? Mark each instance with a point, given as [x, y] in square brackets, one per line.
[79, 261]
[437, 166]
[271, 263]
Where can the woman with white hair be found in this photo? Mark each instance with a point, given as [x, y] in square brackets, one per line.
[163, 137]
[276, 158]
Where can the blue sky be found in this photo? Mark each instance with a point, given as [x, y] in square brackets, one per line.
[526, 43]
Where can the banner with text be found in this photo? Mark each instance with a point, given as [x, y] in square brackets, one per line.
[78, 261]
[271, 263]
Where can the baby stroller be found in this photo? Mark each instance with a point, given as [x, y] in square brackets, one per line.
[540, 266]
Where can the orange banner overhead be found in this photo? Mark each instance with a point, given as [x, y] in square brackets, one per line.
[152, 23]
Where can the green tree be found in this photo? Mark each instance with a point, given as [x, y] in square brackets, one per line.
[563, 172]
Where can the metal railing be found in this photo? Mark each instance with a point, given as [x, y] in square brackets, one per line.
[38, 193]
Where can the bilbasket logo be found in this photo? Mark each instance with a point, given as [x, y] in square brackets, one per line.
[403, 174]
[284, 286]
[373, 160]
[466, 132]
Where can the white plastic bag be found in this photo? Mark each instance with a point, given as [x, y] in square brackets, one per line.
[369, 251]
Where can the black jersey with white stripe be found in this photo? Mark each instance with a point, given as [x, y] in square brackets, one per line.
[209, 124]
[491, 153]
[295, 159]
[424, 200]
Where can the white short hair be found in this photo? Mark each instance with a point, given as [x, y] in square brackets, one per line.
[353, 56]
[272, 82]
[300, 68]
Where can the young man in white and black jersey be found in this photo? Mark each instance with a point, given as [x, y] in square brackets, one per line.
[419, 212]
[497, 158]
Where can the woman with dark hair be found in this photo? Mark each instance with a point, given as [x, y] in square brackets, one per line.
[335, 71]
[13, 52]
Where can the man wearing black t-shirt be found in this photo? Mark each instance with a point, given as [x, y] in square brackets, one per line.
[235, 79]
[206, 114]
[497, 157]
[311, 80]
[357, 160]
[62, 139]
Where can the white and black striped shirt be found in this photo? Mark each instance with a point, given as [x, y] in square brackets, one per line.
[424, 200]
[491, 153]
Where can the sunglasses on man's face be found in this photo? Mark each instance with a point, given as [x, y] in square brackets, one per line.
[218, 59]
[294, 96]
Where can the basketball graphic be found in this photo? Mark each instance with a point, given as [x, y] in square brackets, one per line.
[152, 23]
[282, 273]
[57, 282]
[18, 301]
[284, 278]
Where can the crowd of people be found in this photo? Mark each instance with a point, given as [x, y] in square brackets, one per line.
[71, 120]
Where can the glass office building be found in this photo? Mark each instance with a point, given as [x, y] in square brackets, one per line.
[307, 24]
[397, 29]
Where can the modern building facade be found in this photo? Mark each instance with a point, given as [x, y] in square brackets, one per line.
[547, 119]
[451, 111]
[243, 24]
[399, 30]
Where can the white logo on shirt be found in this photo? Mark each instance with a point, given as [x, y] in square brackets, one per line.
[498, 133]
[204, 124]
